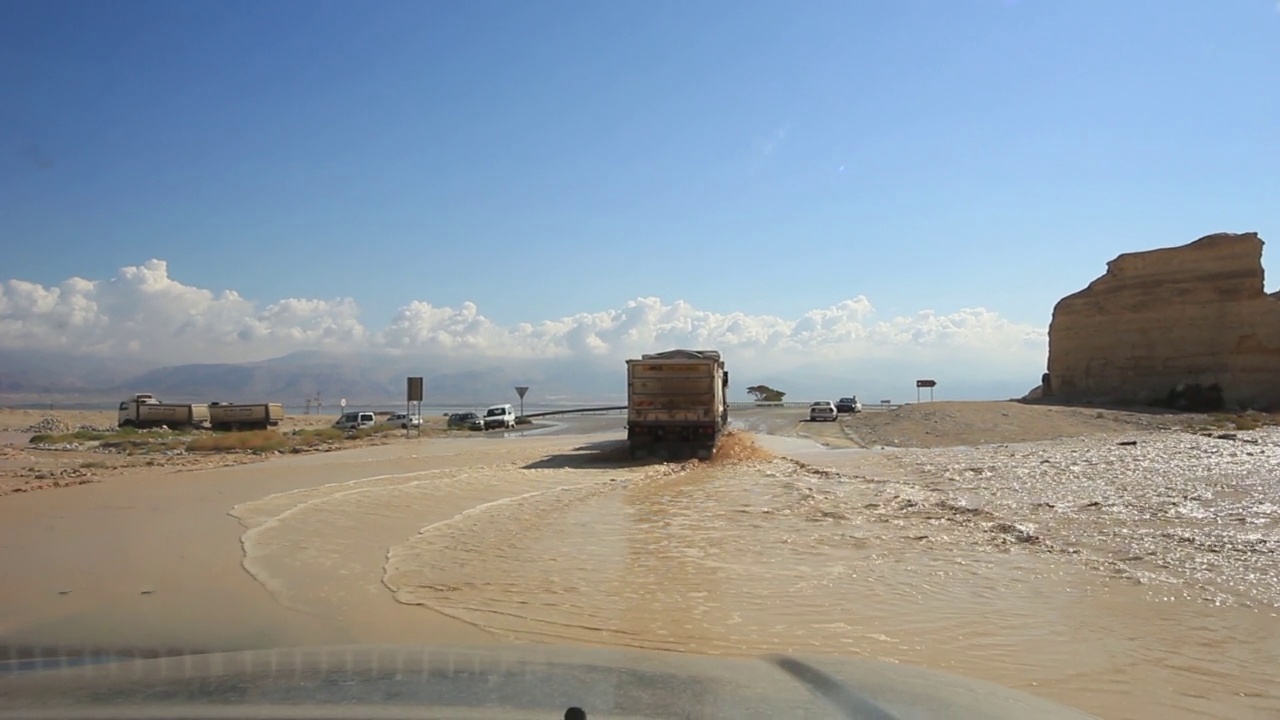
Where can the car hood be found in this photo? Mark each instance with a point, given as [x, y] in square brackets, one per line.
[526, 681]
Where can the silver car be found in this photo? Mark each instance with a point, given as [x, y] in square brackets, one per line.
[822, 410]
[404, 421]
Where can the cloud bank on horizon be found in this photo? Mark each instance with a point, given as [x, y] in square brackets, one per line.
[144, 313]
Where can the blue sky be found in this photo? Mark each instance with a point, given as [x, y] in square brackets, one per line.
[548, 158]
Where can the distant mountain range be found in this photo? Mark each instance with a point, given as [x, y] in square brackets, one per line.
[378, 379]
[44, 373]
[363, 379]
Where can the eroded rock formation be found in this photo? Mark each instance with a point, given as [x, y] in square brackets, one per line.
[1186, 326]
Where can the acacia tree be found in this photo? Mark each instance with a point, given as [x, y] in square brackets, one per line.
[764, 393]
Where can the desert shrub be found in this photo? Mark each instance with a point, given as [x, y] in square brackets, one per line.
[253, 441]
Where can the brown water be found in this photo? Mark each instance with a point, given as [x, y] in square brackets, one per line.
[1130, 581]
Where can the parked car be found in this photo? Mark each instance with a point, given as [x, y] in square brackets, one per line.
[848, 405]
[404, 421]
[355, 421]
[822, 410]
[466, 421]
[500, 417]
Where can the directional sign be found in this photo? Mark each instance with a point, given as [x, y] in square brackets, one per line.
[926, 383]
[521, 390]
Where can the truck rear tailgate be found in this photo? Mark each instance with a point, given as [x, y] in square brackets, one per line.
[672, 392]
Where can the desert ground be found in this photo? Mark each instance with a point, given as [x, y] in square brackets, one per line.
[67, 461]
[950, 424]
[79, 447]
[891, 534]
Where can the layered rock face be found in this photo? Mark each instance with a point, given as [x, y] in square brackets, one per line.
[1164, 325]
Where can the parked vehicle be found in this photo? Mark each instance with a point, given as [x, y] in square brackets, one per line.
[466, 421]
[252, 416]
[676, 404]
[356, 421]
[143, 410]
[500, 417]
[404, 421]
[822, 410]
[848, 405]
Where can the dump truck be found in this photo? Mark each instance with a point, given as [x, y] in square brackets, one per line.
[250, 416]
[676, 405]
[144, 410]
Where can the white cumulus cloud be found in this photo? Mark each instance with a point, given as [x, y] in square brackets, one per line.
[143, 312]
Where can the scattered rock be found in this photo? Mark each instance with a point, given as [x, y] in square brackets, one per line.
[70, 447]
[48, 426]
[1128, 442]
[1235, 437]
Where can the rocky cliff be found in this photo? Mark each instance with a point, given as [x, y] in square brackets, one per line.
[1184, 325]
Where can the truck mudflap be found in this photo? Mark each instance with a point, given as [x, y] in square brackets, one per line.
[672, 442]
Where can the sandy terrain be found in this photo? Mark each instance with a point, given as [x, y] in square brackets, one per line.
[18, 421]
[952, 424]
[232, 551]
[948, 424]
[151, 561]
[26, 468]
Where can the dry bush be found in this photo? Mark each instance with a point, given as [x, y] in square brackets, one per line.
[252, 441]
[318, 436]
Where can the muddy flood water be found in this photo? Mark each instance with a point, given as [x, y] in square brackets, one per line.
[1131, 581]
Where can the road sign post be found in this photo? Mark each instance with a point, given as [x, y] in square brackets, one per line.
[925, 384]
[521, 390]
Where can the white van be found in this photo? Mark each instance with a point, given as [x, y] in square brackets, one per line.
[500, 417]
[355, 421]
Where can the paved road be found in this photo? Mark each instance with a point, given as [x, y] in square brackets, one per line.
[568, 425]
